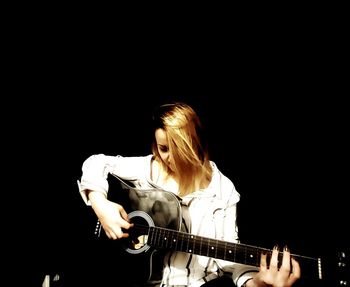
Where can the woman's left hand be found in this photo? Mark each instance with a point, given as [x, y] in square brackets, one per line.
[285, 276]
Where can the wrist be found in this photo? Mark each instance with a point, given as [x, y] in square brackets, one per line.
[253, 282]
[248, 283]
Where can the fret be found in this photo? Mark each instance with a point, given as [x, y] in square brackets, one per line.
[173, 238]
[165, 238]
[158, 237]
[220, 249]
[150, 240]
[309, 265]
[153, 236]
[189, 245]
[207, 246]
[211, 249]
[258, 256]
[183, 239]
[194, 249]
[252, 256]
[230, 251]
[240, 254]
[180, 237]
[161, 242]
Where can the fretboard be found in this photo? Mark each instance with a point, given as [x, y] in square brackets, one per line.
[162, 238]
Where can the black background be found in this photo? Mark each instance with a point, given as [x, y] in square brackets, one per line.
[275, 112]
[285, 156]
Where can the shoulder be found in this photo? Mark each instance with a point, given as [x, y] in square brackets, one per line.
[223, 185]
[219, 177]
[116, 162]
[117, 158]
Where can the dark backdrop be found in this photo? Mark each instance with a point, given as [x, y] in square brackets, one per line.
[285, 154]
[272, 94]
[277, 128]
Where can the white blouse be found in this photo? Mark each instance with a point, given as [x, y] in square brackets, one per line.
[210, 212]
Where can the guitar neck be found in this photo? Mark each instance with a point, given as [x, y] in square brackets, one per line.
[163, 238]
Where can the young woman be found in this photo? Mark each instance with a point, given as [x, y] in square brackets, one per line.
[180, 164]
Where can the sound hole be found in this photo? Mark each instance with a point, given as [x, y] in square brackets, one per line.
[138, 234]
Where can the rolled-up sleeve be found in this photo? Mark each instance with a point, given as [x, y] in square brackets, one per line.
[95, 170]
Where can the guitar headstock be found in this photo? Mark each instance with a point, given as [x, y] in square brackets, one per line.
[343, 268]
[335, 270]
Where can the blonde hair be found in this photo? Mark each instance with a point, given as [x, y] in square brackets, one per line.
[187, 146]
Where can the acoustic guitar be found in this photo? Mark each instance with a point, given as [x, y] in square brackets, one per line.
[156, 215]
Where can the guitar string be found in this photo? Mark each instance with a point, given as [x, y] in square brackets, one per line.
[219, 244]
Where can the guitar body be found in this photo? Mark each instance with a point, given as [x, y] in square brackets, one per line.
[146, 208]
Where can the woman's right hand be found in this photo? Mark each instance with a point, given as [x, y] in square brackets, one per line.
[112, 216]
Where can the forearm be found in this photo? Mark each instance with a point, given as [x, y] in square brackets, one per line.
[96, 199]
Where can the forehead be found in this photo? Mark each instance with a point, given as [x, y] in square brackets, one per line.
[161, 137]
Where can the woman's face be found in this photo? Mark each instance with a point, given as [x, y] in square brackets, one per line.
[162, 146]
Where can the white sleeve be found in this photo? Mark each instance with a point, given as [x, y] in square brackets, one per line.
[96, 168]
